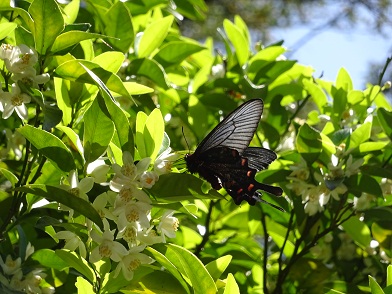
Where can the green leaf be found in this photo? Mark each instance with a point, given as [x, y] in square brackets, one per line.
[98, 131]
[52, 116]
[48, 23]
[358, 231]
[189, 266]
[317, 93]
[374, 286]
[165, 262]
[238, 40]
[343, 80]
[355, 97]
[73, 137]
[153, 36]
[231, 285]
[309, 143]
[50, 146]
[385, 118]
[118, 24]
[49, 259]
[6, 29]
[71, 38]
[78, 263]
[153, 133]
[9, 176]
[176, 51]
[363, 183]
[110, 61]
[117, 115]
[218, 266]
[389, 275]
[141, 119]
[61, 196]
[137, 89]
[71, 11]
[74, 70]
[83, 286]
[178, 187]
[150, 69]
[360, 135]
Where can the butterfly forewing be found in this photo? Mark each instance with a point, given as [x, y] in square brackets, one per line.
[224, 159]
[236, 130]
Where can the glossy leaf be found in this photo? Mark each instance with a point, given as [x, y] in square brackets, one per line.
[50, 146]
[48, 258]
[385, 118]
[218, 266]
[78, 263]
[358, 231]
[177, 187]
[61, 196]
[73, 70]
[239, 41]
[48, 23]
[118, 24]
[98, 132]
[71, 38]
[153, 36]
[189, 266]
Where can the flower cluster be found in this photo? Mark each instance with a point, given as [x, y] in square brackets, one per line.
[126, 213]
[330, 183]
[19, 62]
[15, 278]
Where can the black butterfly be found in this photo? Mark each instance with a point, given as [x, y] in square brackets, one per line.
[224, 159]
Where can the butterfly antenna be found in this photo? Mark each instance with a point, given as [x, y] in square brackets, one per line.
[182, 129]
[269, 203]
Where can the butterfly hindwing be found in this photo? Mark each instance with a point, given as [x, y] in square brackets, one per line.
[224, 159]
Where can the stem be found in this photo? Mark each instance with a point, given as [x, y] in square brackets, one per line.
[382, 73]
[265, 252]
[300, 106]
[207, 234]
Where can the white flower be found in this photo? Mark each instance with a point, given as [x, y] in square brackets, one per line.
[100, 203]
[76, 188]
[98, 170]
[149, 237]
[79, 189]
[14, 100]
[72, 241]
[130, 262]
[352, 167]
[364, 202]
[128, 193]
[32, 281]
[16, 281]
[106, 246]
[134, 212]
[129, 233]
[163, 163]
[314, 199]
[148, 179]
[14, 142]
[21, 59]
[127, 174]
[168, 225]
[29, 250]
[6, 51]
[218, 71]
[300, 170]
[10, 266]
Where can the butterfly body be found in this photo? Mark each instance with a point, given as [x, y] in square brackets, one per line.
[224, 159]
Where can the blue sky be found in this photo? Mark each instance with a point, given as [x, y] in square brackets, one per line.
[332, 49]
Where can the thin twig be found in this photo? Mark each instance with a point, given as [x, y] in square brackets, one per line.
[206, 235]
